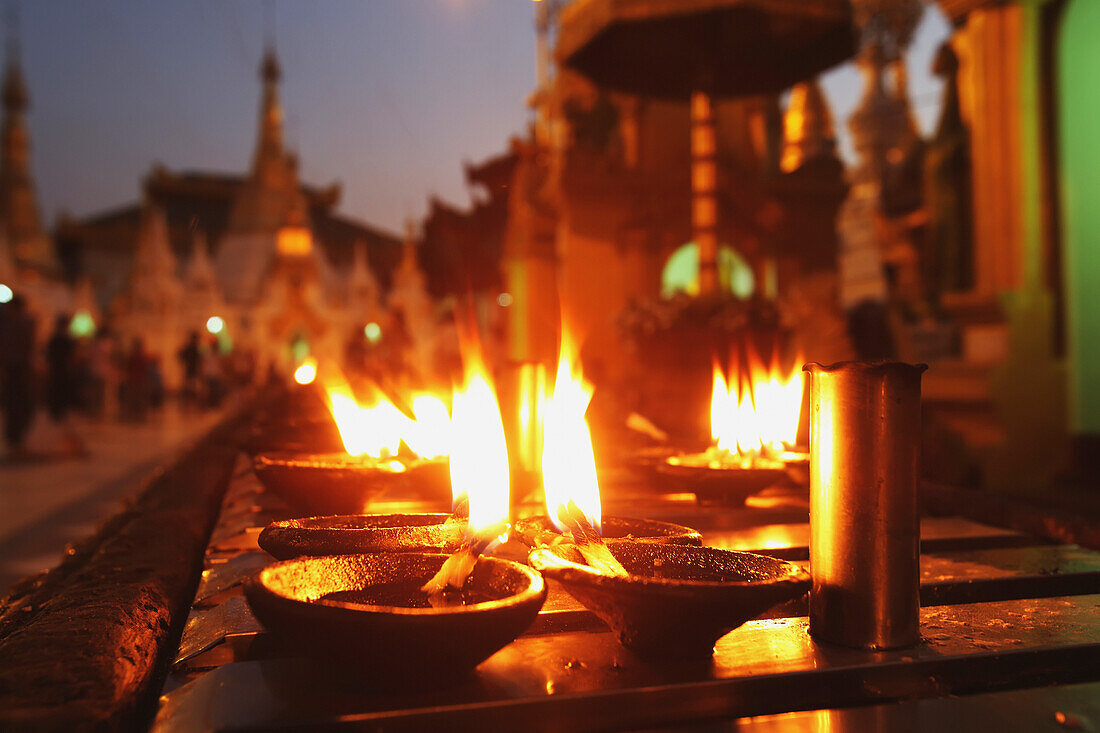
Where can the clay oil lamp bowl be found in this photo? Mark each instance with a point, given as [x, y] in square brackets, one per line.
[722, 479]
[646, 462]
[535, 531]
[662, 600]
[347, 482]
[371, 462]
[352, 534]
[753, 417]
[674, 601]
[405, 614]
[368, 612]
[340, 483]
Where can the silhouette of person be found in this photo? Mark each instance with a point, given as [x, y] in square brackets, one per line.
[60, 350]
[16, 372]
[137, 381]
[190, 357]
[61, 382]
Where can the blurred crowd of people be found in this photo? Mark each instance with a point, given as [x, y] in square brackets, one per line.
[100, 376]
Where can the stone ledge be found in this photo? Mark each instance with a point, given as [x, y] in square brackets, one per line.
[83, 644]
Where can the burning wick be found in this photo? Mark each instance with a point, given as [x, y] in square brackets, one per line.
[754, 417]
[459, 566]
[479, 477]
[589, 542]
[570, 482]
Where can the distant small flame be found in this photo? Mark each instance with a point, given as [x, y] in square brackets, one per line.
[758, 408]
[306, 372]
[723, 412]
[479, 454]
[568, 462]
[778, 399]
[390, 426]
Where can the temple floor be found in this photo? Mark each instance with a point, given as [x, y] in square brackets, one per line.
[48, 502]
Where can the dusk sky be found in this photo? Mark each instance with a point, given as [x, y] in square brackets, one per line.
[387, 96]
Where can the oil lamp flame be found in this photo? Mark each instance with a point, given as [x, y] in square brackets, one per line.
[723, 413]
[374, 431]
[479, 455]
[757, 409]
[568, 463]
[429, 435]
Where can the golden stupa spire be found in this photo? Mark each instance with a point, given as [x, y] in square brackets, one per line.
[18, 201]
[269, 144]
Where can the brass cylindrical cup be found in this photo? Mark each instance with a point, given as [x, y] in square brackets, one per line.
[865, 427]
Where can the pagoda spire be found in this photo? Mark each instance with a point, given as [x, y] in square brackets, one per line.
[362, 284]
[269, 145]
[18, 202]
[154, 288]
[199, 275]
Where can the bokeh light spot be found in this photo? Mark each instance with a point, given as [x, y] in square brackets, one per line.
[82, 325]
[373, 332]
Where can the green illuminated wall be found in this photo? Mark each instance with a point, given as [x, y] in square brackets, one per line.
[681, 272]
[1078, 75]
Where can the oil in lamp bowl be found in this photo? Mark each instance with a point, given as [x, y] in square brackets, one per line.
[532, 531]
[339, 483]
[367, 612]
[352, 534]
[677, 600]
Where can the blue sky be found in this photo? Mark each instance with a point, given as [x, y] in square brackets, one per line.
[387, 96]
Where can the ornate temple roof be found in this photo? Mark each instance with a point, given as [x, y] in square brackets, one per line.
[242, 212]
[199, 272]
[733, 47]
[195, 200]
[462, 248]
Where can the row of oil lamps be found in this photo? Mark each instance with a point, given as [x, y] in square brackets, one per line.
[422, 595]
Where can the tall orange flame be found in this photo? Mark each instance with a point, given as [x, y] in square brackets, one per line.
[479, 454]
[375, 431]
[429, 435]
[568, 462]
[756, 408]
[376, 427]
